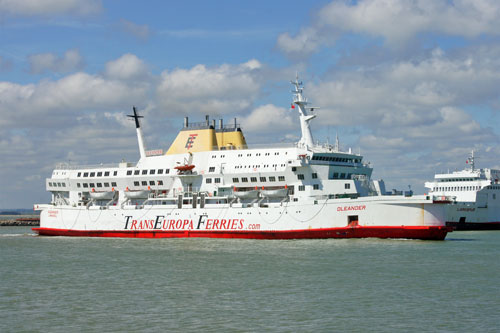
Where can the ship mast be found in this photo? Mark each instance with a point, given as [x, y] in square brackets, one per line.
[306, 140]
[470, 160]
[140, 139]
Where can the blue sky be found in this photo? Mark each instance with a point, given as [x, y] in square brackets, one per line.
[412, 84]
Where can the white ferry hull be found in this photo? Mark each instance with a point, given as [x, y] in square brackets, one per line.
[471, 216]
[379, 217]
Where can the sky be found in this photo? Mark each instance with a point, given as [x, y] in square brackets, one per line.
[413, 85]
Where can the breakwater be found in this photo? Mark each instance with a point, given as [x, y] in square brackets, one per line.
[17, 220]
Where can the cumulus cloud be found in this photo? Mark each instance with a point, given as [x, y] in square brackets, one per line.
[396, 21]
[42, 62]
[128, 66]
[221, 89]
[269, 119]
[50, 7]
[137, 30]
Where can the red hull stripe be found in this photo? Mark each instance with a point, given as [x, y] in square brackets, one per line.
[410, 232]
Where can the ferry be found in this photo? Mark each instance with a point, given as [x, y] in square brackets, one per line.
[475, 196]
[210, 183]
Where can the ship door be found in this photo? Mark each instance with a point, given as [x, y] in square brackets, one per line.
[462, 219]
[352, 221]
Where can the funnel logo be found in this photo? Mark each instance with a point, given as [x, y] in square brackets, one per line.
[190, 140]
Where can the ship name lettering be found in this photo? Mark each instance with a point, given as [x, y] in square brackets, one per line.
[466, 209]
[161, 223]
[348, 208]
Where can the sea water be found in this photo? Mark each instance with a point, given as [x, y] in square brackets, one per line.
[64, 284]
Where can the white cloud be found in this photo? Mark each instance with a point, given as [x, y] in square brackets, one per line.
[270, 119]
[128, 66]
[216, 90]
[71, 61]
[137, 30]
[397, 21]
[50, 7]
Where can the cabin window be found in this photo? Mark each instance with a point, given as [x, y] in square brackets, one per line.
[129, 173]
[85, 185]
[136, 183]
[92, 174]
[211, 169]
[235, 180]
[300, 176]
[92, 185]
[113, 184]
[347, 186]
[244, 179]
[253, 179]
[217, 180]
[262, 179]
[115, 173]
[77, 184]
[167, 171]
[152, 172]
[106, 184]
[208, 180]
[144, 172]
[151, 182]
[79, 174]
[335, 175]
[99, 184]
[281, 178]
[272, 178]
[314, 175]
[315, 186]
[99, 174]
[342, 175]
[136, 172]
[160, 182]
[106, 174]
[160, 171]
[144, 183]
[302, 187]
[294, 168]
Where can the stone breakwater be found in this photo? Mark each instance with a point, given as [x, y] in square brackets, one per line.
[21, 221]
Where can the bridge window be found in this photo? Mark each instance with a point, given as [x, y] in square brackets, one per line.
[92, 174]
[106, 174]
[160, 171]
[314, 175]
[136, 172]
[144, 172]
[152, 172]
[315, 186]
[99, 174]
[300, 176]
[79, 174]
[115, 173]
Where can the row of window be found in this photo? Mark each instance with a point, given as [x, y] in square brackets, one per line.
[262, 179]
[97, 174]
[303, 187]
[458, 188]
[145, 172]
[57, 184]
[276, 153]
[335, 159]
[337, 175]
[456, 180]
[93, 185]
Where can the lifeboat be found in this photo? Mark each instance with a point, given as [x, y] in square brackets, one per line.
[277, 193]
[104, 195]
[252, 194]
[185, 167]
[139, 194]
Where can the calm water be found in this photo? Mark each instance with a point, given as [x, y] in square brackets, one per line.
[64, 284]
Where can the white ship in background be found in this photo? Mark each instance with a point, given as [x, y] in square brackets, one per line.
[210, 184]
[477, 196]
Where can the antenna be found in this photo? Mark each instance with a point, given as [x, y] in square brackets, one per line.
[136, 117]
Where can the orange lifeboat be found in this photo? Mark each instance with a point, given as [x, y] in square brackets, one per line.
[185, 167]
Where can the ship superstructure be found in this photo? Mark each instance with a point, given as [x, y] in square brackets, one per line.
[476, 194]
[209, 183]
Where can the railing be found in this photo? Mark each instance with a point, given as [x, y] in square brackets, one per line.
[67, 166]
